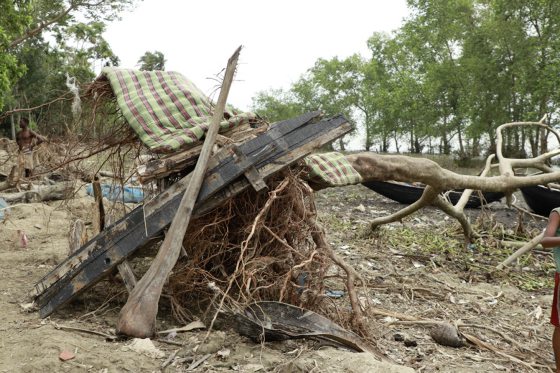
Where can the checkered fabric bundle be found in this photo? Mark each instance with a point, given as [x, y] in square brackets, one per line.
[166, 110]
[331, 169]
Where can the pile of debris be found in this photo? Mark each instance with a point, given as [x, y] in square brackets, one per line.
[253, 235]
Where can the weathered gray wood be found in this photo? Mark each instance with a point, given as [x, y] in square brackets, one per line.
[273, 167]
[257, 182]
[252, 174]
[127, 275]
[125, 270]
[77, 236]
[12, 179]
[98, 196]
[159, 168]
[138, 316]
[269, 152]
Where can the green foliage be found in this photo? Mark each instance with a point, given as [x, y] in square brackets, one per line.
[447, 78]
[276, 105]
[152, 61]
[34, 71]
[14, 18]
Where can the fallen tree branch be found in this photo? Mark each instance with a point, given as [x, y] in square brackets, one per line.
[74, 329]
[372, 166]
[525, 248]
[428, 196]
[504, 336]
[42, 193]
[481, 344]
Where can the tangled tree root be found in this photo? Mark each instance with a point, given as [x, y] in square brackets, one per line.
[265, 246]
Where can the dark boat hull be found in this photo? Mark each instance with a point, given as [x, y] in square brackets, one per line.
[407, 194]
[541, 199]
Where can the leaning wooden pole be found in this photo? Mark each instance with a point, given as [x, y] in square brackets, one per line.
[138, 316]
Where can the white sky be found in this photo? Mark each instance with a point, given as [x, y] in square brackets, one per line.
[281, 39]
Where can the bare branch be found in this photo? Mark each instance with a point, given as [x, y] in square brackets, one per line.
[506, 165]
[456, 213]
[428, 196]
[468, 192]
[6, 114]
[525, 248]
[373, 166]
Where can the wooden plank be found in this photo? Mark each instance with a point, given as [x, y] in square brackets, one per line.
[132, 232]
[252, 174]
[125, 270]
[256, 180]
[77, 236]
[158, 168]
[127, 275]
[273, 167]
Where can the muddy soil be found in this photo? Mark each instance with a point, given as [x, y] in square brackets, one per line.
[420, 267]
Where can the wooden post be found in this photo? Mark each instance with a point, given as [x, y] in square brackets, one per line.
[77, 236]
[137, 317]
[105, 220]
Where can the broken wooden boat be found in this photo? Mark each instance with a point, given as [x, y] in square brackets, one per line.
[407, 194]
[541, 199]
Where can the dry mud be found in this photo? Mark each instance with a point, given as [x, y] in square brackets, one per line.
[419, 267]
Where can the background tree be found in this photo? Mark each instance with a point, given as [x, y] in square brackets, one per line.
[152, 61]
[276, 104]
[33, 70]
[447, 78]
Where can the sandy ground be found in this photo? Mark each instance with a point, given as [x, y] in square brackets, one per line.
[419, 267]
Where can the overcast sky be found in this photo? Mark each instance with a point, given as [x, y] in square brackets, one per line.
[281, 39]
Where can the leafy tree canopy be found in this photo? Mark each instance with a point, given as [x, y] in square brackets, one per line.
[152, 61]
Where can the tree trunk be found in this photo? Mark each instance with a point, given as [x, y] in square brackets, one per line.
[368, 134]
[341, 144]
[533, 141]
[395, 137]
[460, 138]
[13, 127]
[544, 140]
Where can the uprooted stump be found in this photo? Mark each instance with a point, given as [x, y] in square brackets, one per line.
[265, 246]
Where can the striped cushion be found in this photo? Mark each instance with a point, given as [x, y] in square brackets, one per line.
[331, 169]
[166, 110]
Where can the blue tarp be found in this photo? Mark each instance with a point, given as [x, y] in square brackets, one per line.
[132, 194]
[3, 208]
